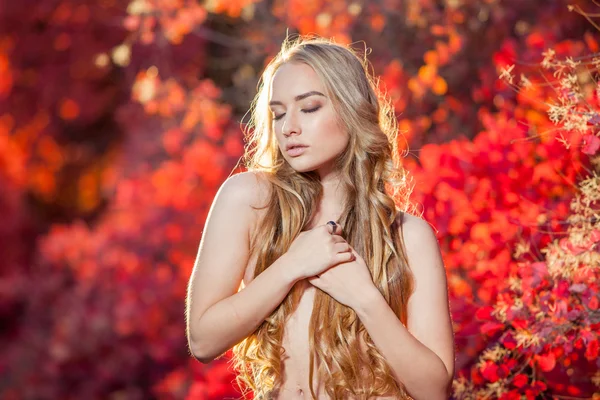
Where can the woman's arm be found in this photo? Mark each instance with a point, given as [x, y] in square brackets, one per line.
[217, 315]
[232, 319]
[421, 355]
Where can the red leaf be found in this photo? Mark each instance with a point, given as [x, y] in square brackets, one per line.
[509, 342]
[490, 371]
[539, 385]
[520, 380]
[591, 144]
[489, 328]
[519, 323]
[573, 390]
[485, 313]
[591, 351]
[547, 362]
[510, 396]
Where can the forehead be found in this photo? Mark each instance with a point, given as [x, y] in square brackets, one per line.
[292, 79]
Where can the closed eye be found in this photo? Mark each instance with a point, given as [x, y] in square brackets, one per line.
[312, 110]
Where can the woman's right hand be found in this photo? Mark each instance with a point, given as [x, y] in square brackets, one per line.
[316, 250]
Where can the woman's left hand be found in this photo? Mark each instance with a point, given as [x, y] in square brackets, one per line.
[349, 282]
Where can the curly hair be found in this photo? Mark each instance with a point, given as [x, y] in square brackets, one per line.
[378, 190]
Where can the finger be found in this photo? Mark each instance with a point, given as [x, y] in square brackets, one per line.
[338, 230]
[342, 247]
[344, 257]
[338, 239]
[331, 227]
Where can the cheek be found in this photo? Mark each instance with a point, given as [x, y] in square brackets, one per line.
[336, 136]
[328, 125]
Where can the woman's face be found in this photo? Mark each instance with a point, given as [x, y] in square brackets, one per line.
[303, 115]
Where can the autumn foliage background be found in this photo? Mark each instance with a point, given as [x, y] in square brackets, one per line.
[119, 120]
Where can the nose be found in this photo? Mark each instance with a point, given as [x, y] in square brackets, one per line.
[290, 125]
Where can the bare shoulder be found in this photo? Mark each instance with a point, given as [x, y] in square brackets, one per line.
[422, 246]
[418, 234]
[250, 186]
[250, 189]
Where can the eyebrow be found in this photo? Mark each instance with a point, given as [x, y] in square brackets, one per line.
[299, 97]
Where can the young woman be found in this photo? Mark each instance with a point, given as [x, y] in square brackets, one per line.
[343, 293]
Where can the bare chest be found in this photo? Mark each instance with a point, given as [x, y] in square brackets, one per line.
[295, 362]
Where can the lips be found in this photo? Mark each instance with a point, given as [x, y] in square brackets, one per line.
[296, 150]
[294, 145]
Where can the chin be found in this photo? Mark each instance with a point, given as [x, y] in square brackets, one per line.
[302, 169]
[302, 165]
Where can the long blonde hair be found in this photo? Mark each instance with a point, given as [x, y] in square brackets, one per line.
[377, 191]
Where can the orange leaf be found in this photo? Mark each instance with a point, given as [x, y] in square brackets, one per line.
[377, 22]
[440, 87]
[536, 39]
[416, 87]
[591, 42]
[50, 151]
[438, 30]
[431, 57]
[427, 73]
[481, 232]
[69, 109]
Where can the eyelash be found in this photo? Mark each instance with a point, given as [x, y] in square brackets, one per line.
[312, 110]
